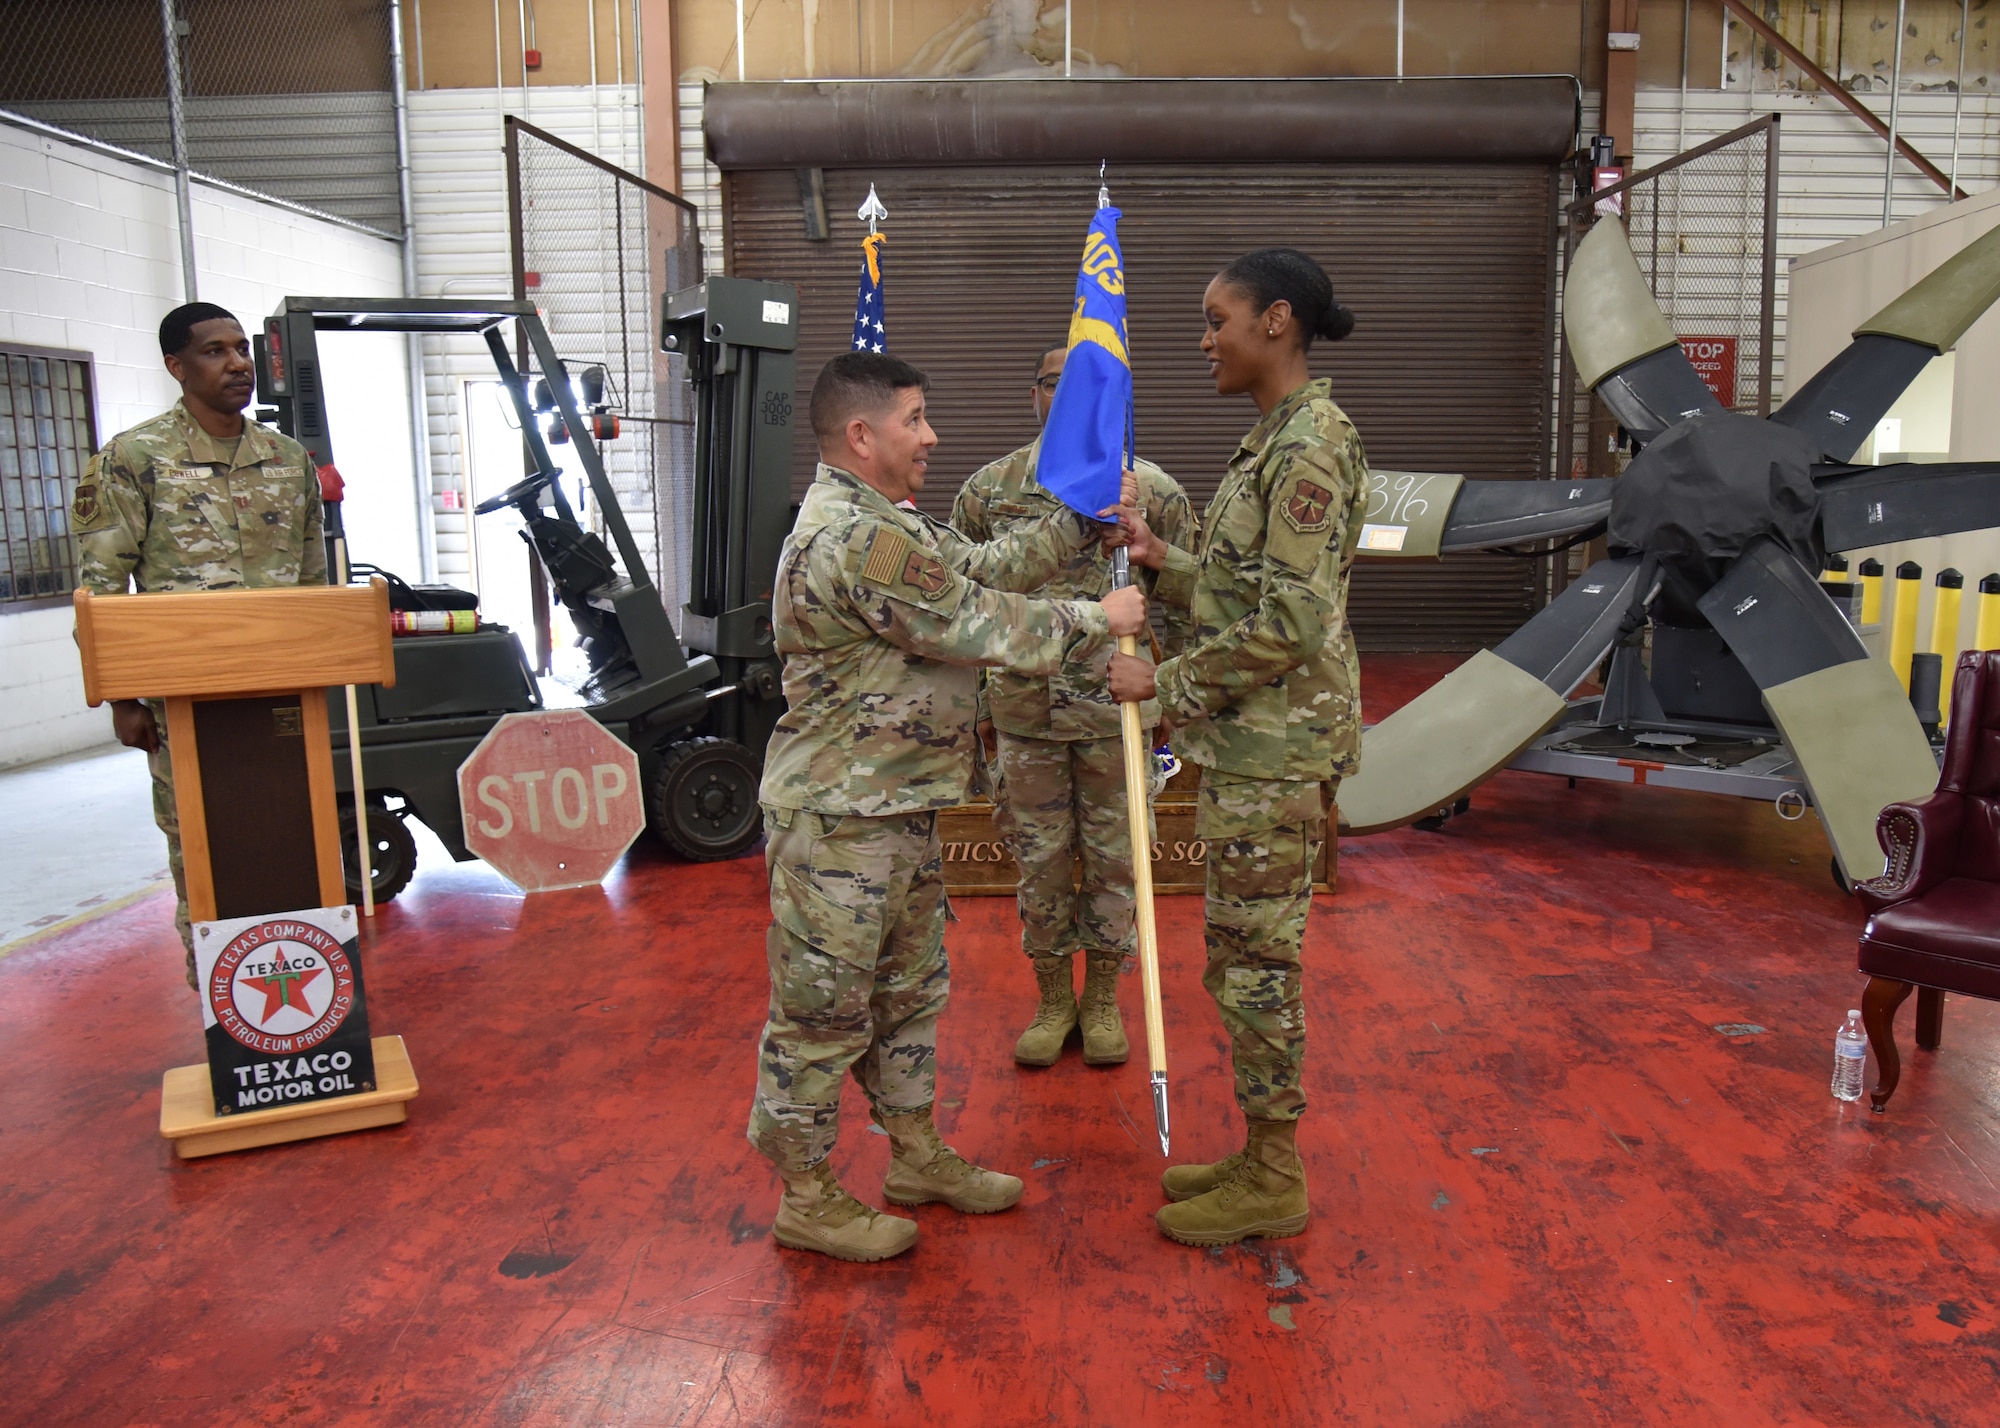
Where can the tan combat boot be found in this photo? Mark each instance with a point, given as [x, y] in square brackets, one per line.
[922, 1168]
[1104, 1041]
[1184, 1182]
[1042, 1043]
[1265, 1195]
[818, 1214]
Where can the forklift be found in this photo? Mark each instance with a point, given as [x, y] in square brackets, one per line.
[698, 710]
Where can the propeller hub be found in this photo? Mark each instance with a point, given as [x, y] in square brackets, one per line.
[1697, 497]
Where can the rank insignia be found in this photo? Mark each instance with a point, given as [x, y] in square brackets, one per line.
[926, 573]
[1309, 505]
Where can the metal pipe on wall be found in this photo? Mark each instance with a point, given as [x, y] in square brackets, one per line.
[1895, 109]
[420, 424]
[1958, 97]
[170, 35]
[1399, 39]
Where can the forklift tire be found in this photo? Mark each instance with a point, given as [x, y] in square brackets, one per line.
[703, 799]
[392, 853]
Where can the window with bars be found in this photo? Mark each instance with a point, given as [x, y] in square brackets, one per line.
[48, 431]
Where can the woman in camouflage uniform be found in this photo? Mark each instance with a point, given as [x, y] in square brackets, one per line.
[1265, 698]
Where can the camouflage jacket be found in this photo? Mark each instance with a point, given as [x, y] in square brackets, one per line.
[165, 505]
[1072, 703]
[881, 615]
[1268, 686]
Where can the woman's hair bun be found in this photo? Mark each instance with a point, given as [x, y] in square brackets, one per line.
[1286, 275]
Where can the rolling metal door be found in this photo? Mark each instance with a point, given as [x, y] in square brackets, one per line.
[1446, 267]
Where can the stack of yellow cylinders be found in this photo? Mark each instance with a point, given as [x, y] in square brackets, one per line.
[1944, 632]
[1871, 591]
[1987, 636]
[1903, 633]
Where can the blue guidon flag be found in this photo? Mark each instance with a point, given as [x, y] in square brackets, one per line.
[1088, 437]
[871, 332]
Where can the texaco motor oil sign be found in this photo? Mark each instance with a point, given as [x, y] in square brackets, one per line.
[282, 1006]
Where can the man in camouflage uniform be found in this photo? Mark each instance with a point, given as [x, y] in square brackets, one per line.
[1265, 698]
[198, 498]
[1060, 759]
[881, 620]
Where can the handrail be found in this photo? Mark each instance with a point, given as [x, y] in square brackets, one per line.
[1763, 29]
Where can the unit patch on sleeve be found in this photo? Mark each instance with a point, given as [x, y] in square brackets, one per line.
[1310, 505]
[926, 573]
[84, 507]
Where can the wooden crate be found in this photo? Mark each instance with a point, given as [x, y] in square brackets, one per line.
[977, 862]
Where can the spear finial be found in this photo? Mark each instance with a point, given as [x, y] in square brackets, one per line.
[1103, 192]
[871, 210]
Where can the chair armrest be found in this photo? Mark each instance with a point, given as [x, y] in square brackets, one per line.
[1920, 839]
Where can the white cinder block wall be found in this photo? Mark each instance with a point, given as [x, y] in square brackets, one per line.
[90, 260]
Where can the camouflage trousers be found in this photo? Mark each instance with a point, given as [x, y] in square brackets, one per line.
[1054, 800]
[858, 974]
[1263, 838]
[167, 814]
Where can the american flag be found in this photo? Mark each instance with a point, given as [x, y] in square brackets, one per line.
[870, 333]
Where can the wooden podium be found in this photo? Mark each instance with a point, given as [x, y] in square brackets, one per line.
[244, 675]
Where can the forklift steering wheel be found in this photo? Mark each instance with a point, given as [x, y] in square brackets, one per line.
[513, 495]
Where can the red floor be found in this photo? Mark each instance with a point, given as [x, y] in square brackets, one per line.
[1548, 1188]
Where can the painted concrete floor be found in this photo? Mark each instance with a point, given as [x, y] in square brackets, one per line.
[1572, 1154]
[76, 833]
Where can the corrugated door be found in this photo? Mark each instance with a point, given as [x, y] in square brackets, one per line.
[1446, 267]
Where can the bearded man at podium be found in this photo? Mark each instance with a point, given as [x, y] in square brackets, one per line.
[198, 498]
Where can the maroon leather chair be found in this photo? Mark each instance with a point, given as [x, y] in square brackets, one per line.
[1934, 914]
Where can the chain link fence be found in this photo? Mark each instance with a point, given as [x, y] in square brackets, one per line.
[292, 101]
[595, 249]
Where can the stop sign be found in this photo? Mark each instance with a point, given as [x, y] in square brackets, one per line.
[551, 799]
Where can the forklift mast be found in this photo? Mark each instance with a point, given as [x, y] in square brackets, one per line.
[739, 339]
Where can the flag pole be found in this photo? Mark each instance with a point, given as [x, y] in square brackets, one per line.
[1137, 808]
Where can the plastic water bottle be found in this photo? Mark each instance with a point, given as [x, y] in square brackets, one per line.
[1850, 1052]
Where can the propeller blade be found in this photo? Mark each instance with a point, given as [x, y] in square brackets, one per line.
[1843, 401]
[1840, 404]
[1420, 515]
[1494, 513]
[1874, 505]
[1844, 715]
[1477, 719]
[1625, 350]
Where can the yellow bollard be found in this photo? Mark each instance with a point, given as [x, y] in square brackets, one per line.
[1835, 572]
[1987, 635]
[1903, 632]
[1944, 632]
[1871, 592]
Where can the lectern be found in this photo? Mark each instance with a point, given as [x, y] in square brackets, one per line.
[244, 675]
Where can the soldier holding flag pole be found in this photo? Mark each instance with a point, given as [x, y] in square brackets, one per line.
[1086, 446]
[1266, 700]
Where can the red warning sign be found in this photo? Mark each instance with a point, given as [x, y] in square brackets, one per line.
[551, 799]
[1714, 360]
